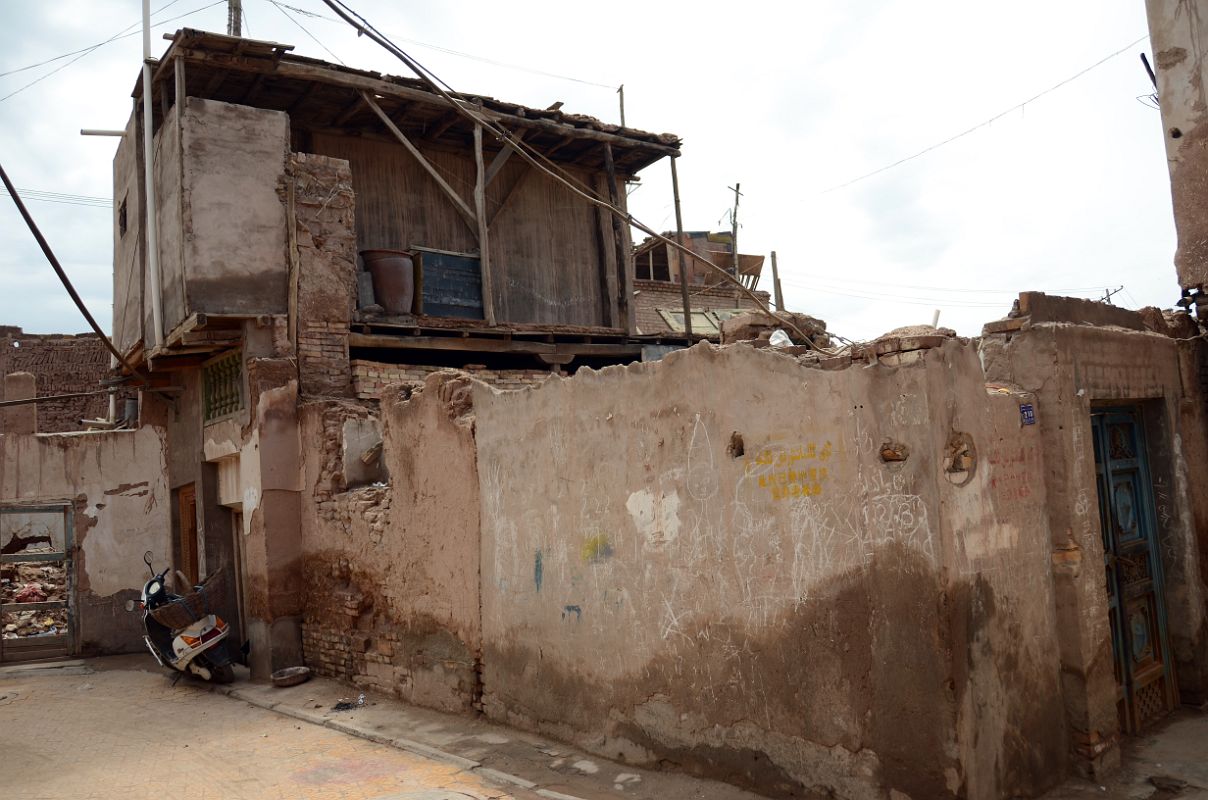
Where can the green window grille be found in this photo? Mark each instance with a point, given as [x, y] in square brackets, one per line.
[223, 386]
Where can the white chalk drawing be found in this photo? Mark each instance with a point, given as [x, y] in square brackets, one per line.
[702, 474]
[702, 556]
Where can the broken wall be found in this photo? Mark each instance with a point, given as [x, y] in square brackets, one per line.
[1073, 368]
[707, 562]
[392, 571]
[62, 364]
[116, 482]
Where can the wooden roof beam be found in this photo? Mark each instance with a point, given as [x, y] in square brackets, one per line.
[295, 70]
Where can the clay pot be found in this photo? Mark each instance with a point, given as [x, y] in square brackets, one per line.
[393, 275]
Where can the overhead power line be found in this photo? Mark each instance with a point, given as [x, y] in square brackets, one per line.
[282, 8]
[59, 197]
[58, 268]
[449, 51]
[122, 34]
[988, 122]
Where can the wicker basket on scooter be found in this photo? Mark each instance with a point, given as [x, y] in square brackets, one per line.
[195, 605]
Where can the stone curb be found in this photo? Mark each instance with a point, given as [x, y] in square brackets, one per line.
[399, 743]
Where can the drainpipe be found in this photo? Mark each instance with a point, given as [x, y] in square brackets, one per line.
[157, 314]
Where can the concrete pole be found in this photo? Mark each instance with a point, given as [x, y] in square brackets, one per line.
[157, 314]
[1179, 38]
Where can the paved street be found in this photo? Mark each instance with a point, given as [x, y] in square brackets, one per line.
[123, 733]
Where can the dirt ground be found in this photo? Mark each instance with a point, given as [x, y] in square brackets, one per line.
[128, 733]
[119, 728]
[1167, 761]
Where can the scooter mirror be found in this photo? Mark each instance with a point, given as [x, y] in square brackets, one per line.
[129, 605]
[147, 561]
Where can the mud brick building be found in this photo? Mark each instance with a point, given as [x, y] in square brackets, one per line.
[61, 364]
[923, 567]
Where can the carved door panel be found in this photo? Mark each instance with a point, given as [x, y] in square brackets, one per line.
[1133, 569]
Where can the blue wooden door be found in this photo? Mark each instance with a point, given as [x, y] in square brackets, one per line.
[1133, 566]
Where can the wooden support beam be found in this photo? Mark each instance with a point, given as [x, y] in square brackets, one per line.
[253, 91]
[302, 97]
[624, 251]
[348, 112]
[213, 83]
[565, 141]
[501, 158]
[684, 264]
[608, 259]
[466, 214]
[476, 344]
[443, 124]
[521, 179]
[484, 239]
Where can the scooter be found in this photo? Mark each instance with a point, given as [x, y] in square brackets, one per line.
[181, 632]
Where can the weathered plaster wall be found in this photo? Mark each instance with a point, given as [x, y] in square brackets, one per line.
[705, 561]
[392, 573]
[117, 483]
[235, 233]
[1178, 31]
[167, 169]
[128, 270]
[1070, 367]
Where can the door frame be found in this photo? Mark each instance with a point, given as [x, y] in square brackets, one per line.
[1132, 721]
[44, 647]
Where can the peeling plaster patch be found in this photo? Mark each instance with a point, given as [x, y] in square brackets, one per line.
[656, 518]
[989, 540]
[127, 489]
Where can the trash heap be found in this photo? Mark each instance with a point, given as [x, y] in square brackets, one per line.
[33, 583]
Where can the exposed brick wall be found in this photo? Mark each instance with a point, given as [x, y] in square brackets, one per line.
[62, 364]
[369, 377]
[326, 262]
[323, 358]
[653, 295]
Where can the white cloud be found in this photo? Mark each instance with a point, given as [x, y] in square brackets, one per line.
[789, 99]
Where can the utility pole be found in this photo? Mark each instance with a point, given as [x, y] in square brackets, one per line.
[776, 284]
[1108, 294]
[685, 264]
[234, 17]
[734, 226]
[621, 93]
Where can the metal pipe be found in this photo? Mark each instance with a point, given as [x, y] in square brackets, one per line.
[58, 268]
[100, 132]
[47, 398]
[157, 314]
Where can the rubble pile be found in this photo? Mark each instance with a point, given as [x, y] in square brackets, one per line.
[33, 583]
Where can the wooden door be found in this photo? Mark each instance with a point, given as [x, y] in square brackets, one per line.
[1133, 566]
[187, 540]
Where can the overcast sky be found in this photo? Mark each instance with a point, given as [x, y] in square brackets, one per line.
[1067, 195]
